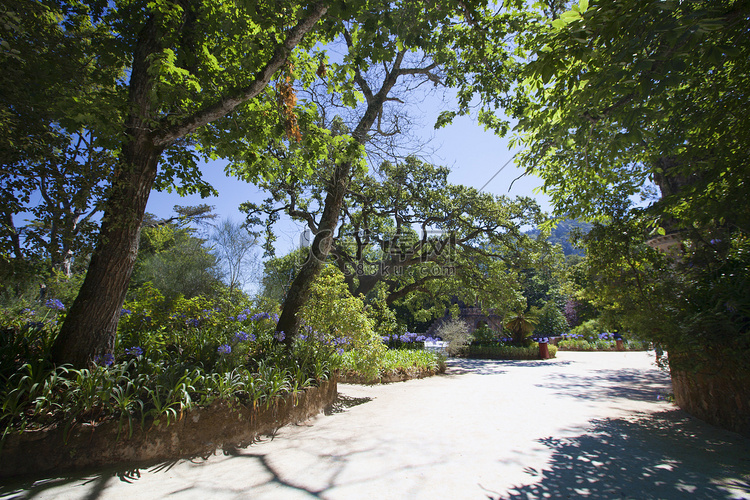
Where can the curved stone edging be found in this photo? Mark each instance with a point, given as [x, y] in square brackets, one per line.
[200, 432]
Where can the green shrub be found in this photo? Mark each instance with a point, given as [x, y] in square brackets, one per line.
[576, 345]
[601, 345]
[485, 335]
[395, 361]
[503, 351]
[550, 321]
[340, 319]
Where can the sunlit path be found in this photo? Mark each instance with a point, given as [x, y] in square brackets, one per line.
[590, 425]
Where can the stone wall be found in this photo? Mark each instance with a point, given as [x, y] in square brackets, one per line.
[718, 393]
[199, 432]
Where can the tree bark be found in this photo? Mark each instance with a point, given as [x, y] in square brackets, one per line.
[299, 290]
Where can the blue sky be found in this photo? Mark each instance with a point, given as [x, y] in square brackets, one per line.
[473, 155]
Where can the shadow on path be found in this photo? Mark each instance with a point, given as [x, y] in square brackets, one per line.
[344, 402]
[464, 366]
[664, 455]
[624, 383]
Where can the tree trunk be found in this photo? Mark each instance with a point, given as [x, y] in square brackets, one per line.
[90, 327]
[289, 321]
[299, 290]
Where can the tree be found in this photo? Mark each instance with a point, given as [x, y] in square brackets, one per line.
[188, 64]
[378, 60]
[409, 43]
[175, 262]
[473, 240]
[233, 246]
[50, 139]
[550, 321]
[520, 325]
[619, 97]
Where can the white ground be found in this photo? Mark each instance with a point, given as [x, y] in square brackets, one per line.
[584, 425]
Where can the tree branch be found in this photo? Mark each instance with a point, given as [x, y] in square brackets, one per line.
[243, 94]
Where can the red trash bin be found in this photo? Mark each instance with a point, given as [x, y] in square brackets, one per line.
[543, 350]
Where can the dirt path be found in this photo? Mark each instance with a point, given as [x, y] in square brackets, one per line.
[585, 425]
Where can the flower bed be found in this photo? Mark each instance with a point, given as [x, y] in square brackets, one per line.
[199, 431]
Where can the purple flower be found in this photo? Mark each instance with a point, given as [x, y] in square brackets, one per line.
[106, 360]
[280, 336]
[125, 312]
[303, 338]
[241, 317]
[259, 316]
[55, 304]
[275, 318]
[224, 349]
[241, 336]
[340, 350]
[421, 338]
[192, 322]
[134, 351]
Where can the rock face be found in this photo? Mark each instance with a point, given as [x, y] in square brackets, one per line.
[199, 432]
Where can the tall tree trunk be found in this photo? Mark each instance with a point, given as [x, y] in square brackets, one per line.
[90, 327]
[91, 323]
[299, 290]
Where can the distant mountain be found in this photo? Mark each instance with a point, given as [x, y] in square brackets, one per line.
[561, 235]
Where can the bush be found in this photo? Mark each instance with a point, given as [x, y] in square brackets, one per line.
[396, 361]
[603, 344]
[456, 333]
[485, 335]
[550, 322]
[165, 361]
[503, 351]
[340, 319]
[575, 345]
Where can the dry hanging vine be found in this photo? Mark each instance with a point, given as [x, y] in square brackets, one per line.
[287, 101]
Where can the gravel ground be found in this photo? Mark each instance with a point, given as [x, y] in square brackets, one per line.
[584, 425]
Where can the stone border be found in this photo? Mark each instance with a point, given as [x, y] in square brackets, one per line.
[199, 432]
